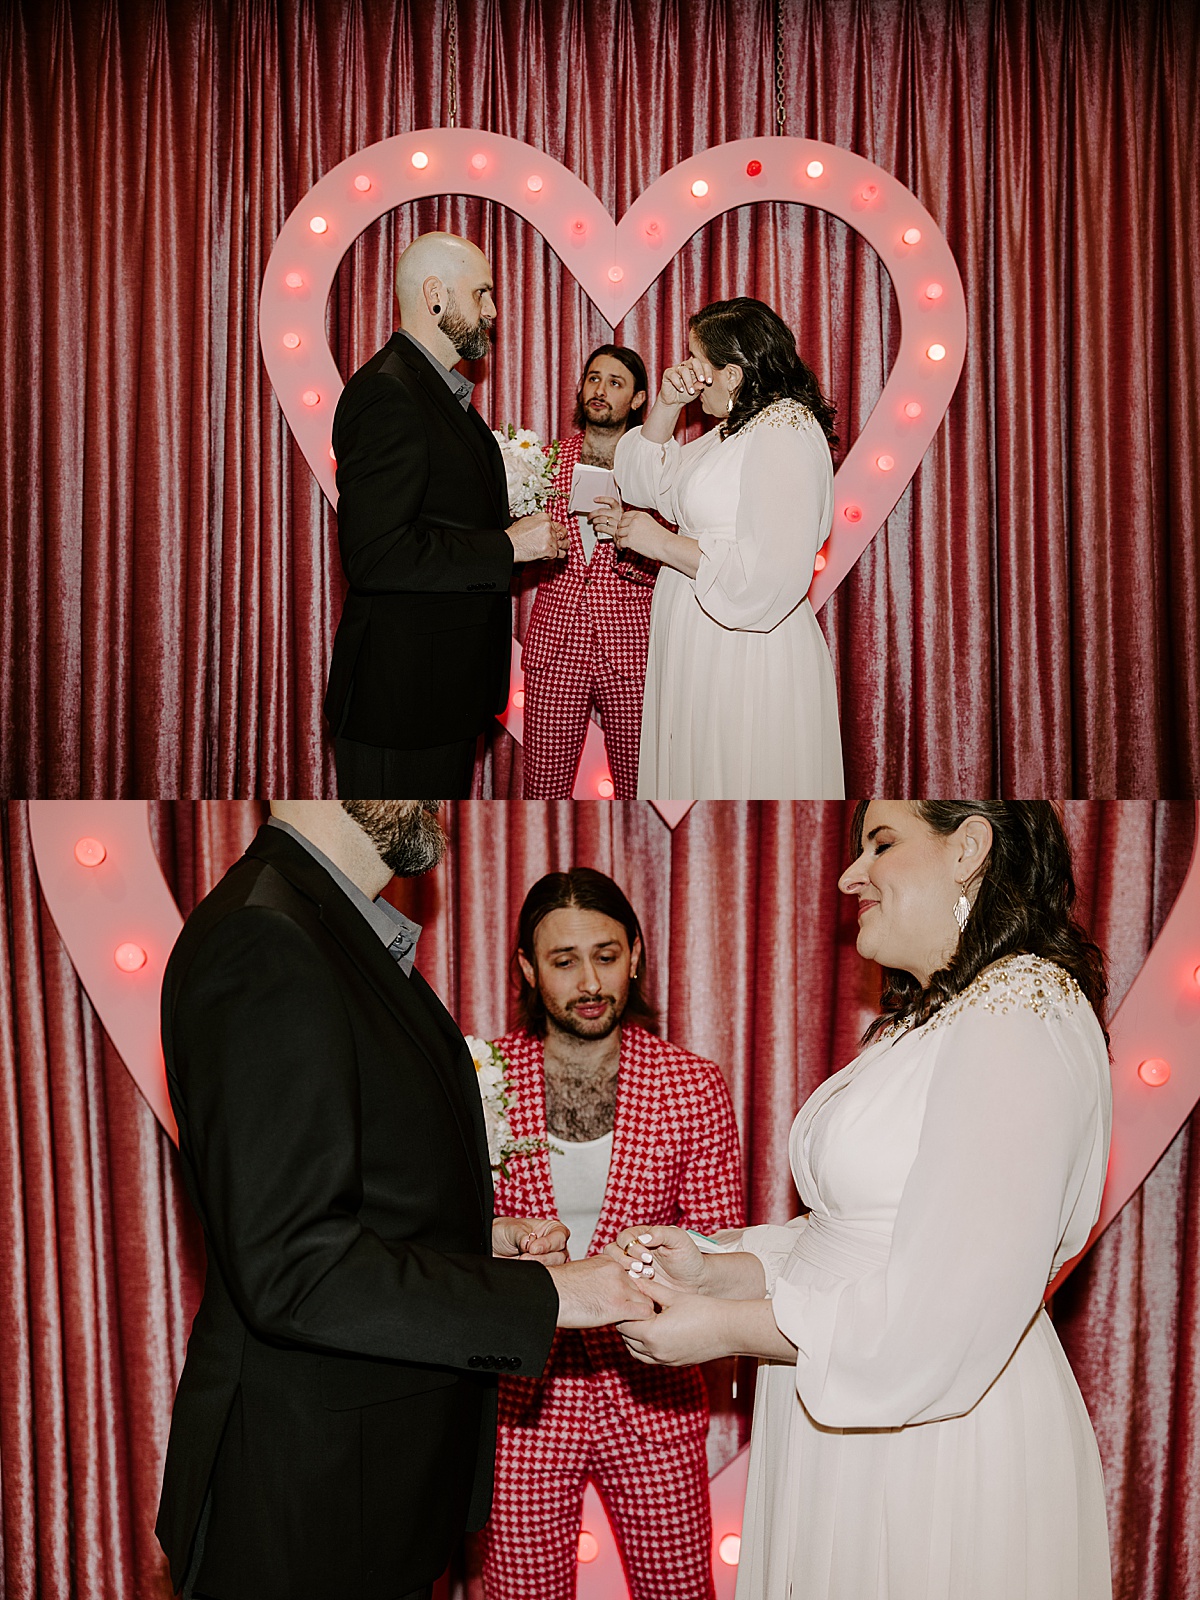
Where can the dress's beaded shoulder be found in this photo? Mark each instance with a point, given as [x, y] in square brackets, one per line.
[1017, 983]
[782, 414]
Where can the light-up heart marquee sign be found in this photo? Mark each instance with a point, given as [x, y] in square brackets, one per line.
[615, 263]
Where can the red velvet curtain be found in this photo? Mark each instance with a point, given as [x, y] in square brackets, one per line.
[1028, 622]
[751, 961]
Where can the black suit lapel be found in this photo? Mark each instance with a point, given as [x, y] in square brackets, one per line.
[411, 1001]
[468, 424]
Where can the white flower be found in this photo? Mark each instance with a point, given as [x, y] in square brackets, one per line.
[495, 1091]
[528, 468]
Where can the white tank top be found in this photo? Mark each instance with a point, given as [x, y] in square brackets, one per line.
[580, 1176]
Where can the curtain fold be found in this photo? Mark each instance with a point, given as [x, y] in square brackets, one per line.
[750, 961]
[1027, 622]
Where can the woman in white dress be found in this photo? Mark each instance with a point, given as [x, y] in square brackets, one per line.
[918, 1434]
[740, 700]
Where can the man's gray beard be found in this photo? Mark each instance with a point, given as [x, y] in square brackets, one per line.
[472, 344]
[407, 834]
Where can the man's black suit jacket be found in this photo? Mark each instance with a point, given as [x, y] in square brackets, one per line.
[338, 1397]
[421, 655]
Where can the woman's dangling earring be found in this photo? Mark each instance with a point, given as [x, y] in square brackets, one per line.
[962, 910]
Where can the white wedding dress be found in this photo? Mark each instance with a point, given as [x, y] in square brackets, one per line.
[931, 1442]
[740, 700]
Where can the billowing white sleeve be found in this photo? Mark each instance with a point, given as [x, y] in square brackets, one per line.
[785, 508]
[772, 1243]
[1010, 1126]
[647, 473]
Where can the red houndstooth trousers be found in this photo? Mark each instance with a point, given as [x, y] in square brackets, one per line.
[637, 1431]
[585, 645]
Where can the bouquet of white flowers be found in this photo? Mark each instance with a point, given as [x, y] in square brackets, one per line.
[491, 1073]
[528, 467]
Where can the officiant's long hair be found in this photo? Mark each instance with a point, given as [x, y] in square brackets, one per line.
[583, 889]
[748, 334]
[1024, 906]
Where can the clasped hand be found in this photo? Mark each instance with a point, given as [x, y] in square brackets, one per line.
[628, 530]
[681, 1326]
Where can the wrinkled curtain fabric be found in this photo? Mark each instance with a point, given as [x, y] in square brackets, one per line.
[751, 962]
[1028, 622]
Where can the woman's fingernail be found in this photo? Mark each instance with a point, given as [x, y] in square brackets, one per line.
[647, 1259]
[644, 1238]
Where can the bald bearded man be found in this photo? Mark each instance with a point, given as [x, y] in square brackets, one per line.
[421, 656]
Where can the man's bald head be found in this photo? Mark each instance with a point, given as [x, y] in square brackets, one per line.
[444, 289]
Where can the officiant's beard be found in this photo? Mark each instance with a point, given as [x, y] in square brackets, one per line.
[563, 1019]
[472, 343]
[407, 834]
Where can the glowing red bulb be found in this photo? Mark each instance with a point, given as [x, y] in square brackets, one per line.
[419, 160]
[362, 183]
[700, 188]
[294, 280]
[753, 168]
[292, 341]
[615, 274]
[853, 513]
[311, 397]
[589, 1546]
[1196, 977]
[885, 463]
[89, 852]
[934, 292]
[332, 457]
[518, 699]
[819, 562]
[911, 235]
[1155, 1071]
[913, 408]
[730, 1549]
[579, 226]
[479, 161]
[319, 225]
[534, 183]
[129, 957]
[815, 168]
[936, 352]
[606, 788]
[869, 191]
[654, 229]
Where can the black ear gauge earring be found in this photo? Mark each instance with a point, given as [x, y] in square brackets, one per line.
[436, 310]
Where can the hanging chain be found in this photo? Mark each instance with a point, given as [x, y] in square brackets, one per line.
[452, 50]
[780, 104]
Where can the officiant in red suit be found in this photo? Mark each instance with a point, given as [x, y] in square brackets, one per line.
[590, 628]
[638, 1128]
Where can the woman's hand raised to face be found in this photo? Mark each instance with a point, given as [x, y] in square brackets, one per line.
[683, 383]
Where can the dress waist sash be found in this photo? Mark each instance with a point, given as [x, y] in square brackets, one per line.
[850, 1249]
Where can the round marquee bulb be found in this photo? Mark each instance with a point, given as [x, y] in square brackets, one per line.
[753, 168]
[911, 236]
[869, 191]
[589, 1546]
[311, 397]
[534, 184]
[700, 188]
[479, 161]
[519, 699]
[615, 274]
[913, 408]
[730, 1549]
[934, 292]
[885, 463]
[815, 168]
[606, 788]
[936, 352]
[319, 225]
[292, 341]
[818, 566]
[294, 280]
[89, 852]
[362, 183]
[419, 160]
[653, 229]
[1155, 1071]
[1196, 977]
[579, 226]
[853, 513]
[130, 957]
[332, 456]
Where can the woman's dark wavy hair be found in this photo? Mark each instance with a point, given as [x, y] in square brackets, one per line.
[757, 339]
[634, 366]
[587, 890]
[1023, 906]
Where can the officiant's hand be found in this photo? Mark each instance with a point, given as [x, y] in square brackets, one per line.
[595, 1293]
[531, 1239]
[666, 1256]
[538, 537]
[634, 530]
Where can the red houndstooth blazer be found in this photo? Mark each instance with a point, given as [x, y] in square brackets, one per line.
[675, 1160]
[618, 593]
